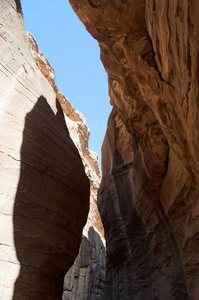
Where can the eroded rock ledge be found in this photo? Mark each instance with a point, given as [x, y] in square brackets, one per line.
[148, 199]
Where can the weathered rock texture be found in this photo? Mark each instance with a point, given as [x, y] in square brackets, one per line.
[85, 279]
[148, 199]
[44, 188]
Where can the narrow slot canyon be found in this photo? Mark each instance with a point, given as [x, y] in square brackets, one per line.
[133, 233]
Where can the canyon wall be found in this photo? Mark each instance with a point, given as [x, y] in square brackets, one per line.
[148, 198]
[44, 188]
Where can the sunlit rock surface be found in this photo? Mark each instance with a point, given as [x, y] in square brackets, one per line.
[44, 188]
[148, 199]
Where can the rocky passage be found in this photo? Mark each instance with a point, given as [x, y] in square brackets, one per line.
[148, 198]
[44, 188]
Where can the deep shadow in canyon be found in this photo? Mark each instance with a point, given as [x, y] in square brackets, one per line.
[46, 216]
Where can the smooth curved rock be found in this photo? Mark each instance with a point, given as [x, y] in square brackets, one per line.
[148, 199]
[44, 188]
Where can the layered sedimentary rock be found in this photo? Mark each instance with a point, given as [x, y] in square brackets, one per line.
[44, 188]
[148, 199]
[85, 279]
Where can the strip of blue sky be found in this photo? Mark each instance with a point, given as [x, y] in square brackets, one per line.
[75, 56]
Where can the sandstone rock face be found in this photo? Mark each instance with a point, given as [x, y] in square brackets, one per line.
[148, 198]
[44, 188]
[85, 279]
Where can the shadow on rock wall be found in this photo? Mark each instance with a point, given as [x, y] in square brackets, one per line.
[18, 5]
[50, 207]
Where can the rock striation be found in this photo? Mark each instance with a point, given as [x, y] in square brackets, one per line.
[44, 188]
[148, 198]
